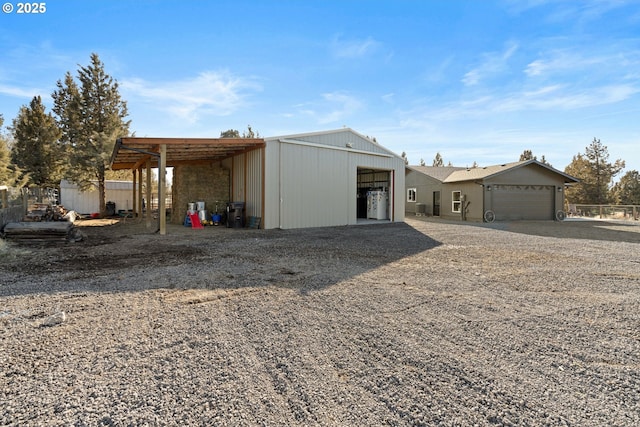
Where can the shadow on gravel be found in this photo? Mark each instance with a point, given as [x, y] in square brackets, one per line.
[612, 231]
[126, 258]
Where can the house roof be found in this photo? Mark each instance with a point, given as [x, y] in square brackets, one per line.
[449, 174]
[439, 173]
[133, 152]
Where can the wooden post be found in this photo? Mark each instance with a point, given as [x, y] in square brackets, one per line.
[147, 214]
[263, 185]
[5, 199]
[162, 210]
[139, 201]
[135, 198]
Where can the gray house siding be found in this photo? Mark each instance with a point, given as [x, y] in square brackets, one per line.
[530, 193]
[526, 190]
[424, 187]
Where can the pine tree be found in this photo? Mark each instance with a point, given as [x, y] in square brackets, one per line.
[438, 161]
[527, 155]
[249, 133]
[595, 173]
[231, 133]
[36, 150]
[234, 133]
[580, 192]
[91, 115]
[601, 169]
[627, 190]
[10, 174]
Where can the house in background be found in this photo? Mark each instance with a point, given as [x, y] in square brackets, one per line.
[525, 190]
[312, 179]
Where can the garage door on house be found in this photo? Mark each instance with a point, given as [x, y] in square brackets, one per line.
[518, 202]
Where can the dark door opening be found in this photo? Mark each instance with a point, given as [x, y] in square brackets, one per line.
[370, 180]
[361, 207]
[436, 203]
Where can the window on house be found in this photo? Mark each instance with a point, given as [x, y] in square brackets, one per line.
[456, 203]
[411, 195]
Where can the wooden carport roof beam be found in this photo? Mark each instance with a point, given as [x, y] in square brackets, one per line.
[132, 152]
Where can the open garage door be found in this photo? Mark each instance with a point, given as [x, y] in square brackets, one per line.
[373, 180]
[523, 202]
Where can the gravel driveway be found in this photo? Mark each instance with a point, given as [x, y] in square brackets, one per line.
[420, 323]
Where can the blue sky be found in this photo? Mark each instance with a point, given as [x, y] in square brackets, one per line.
[477, 81]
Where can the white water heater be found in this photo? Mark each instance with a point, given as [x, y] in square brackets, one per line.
[377, 203]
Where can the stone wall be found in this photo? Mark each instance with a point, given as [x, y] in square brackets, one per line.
[199, 183]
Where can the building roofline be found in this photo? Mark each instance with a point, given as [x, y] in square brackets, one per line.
[456, 174]
[329, 132]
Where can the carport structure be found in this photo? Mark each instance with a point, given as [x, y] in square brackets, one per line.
[315, 179]
[138, 153]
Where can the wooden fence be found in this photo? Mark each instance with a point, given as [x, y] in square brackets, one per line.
[620, 212]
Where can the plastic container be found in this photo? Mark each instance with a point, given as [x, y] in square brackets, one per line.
[235, 214]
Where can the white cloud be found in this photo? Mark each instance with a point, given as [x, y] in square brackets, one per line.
[573, 12]
[562, 61]
[492, 64]
[353, 48]
[209, 93]
[21, 92]
[471, 78]
[334, 107]
[555, 98]
[342, 106]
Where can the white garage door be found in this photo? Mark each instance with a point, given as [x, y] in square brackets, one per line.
[517, 202]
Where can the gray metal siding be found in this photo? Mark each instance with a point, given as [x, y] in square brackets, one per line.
[315, 186]
[272, 185]
[253, 183]
[246, 184]
[237, 179]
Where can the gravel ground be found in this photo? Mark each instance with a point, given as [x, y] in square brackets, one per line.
[420, 323]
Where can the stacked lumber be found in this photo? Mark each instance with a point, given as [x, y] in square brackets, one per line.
[41, 232]
[46, 212]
